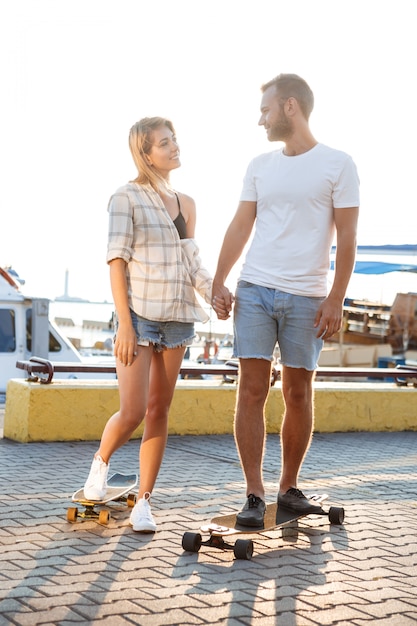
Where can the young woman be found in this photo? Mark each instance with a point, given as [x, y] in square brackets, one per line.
[154, 271]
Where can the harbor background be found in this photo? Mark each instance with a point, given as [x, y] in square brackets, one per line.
[91, 324]
[85, 314]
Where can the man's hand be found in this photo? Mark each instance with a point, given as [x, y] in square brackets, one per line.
[329, 317]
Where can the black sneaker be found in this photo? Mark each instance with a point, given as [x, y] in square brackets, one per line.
[252, 513]
[295, 500]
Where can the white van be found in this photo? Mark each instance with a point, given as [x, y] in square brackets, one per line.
[26, 330]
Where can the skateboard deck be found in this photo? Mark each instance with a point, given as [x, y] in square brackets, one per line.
[118, 488]
[226, 525]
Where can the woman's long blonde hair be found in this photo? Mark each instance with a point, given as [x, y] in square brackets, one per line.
[140, 145]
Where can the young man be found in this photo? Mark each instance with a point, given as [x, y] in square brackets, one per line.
[298, 198]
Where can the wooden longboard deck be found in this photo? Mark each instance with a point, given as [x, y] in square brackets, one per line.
[275, 517]
[117, 486]
[226, 524]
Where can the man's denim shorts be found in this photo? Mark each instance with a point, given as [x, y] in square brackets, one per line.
[265, 316]
[161, 335]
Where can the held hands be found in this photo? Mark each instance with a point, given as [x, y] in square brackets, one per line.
[222, 301]
[329, 318]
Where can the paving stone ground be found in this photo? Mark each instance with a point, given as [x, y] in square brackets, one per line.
[56, 573]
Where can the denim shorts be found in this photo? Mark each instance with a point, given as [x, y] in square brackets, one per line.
[161, 335]
[265, 316]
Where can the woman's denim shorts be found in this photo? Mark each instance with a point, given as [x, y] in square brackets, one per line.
[265, 316]
[161, 335]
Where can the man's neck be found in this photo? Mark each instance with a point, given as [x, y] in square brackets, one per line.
[292, 148]
[299, 143]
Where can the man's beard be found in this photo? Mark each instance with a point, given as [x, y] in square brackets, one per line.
[281, 130]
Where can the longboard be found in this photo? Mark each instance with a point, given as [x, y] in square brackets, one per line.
[226, 525]
[118, 488]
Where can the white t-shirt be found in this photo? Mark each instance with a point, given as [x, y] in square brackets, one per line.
[294, 228]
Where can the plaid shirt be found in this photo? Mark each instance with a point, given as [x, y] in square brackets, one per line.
[162, 270]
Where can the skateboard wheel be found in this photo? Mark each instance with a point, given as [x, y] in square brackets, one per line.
[131, 500]
[191, 542]
[336, 515]
[72, 514]
[104, 517]
[243, 549]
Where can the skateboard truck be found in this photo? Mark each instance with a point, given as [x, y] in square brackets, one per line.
[242, 548]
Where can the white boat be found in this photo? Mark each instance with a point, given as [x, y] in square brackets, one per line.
[27, 330]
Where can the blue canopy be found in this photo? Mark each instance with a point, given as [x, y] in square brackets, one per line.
[379, 267]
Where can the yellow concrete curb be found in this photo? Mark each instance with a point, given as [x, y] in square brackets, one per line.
[71, 410]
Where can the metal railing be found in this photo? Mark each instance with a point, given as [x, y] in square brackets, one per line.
[42, 371]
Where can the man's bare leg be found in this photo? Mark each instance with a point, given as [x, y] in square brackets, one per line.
[296, 433]
[253, 389]
[297, 426]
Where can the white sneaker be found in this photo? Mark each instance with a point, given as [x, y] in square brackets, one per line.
[141, 516]
[95, 487]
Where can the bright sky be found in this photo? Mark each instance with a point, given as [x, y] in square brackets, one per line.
[76, 74]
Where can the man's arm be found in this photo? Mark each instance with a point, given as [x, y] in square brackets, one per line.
[234, 241]
[330, 314]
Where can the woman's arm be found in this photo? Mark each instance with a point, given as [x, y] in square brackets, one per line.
[125, 346]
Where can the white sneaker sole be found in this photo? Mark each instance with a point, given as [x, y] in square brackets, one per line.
[144, 528]
[93, 496]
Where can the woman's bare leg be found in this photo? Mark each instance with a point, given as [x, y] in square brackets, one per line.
[164, 372]
[133, 393]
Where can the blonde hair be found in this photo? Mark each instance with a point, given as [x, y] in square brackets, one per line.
[140, 145]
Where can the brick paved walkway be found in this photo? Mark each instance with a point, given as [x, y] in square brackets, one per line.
[56, 573]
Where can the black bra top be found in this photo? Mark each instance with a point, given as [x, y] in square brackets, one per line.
[179, 222]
